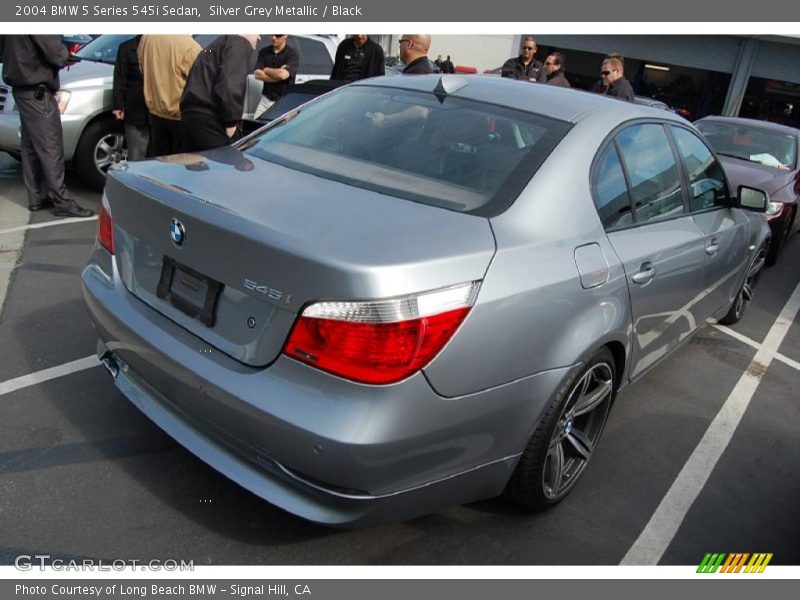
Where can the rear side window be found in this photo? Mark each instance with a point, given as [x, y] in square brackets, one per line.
[655, 184]
[611, 191]
[457, 154]
[706, 178]
[314, 58]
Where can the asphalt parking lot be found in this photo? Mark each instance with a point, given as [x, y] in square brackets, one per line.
[84, 475]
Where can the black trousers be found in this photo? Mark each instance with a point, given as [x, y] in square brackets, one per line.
[42, 147]
[165, 136]
[202, 132]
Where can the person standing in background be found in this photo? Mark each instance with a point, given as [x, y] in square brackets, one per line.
[358, 57]
[128, 97]
[165, 61]
[524, 67]
[414, 54]
[213, 99]
[31, 64]
[276, 67]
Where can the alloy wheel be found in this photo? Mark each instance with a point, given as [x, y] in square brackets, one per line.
[578, 430]
[109, 150]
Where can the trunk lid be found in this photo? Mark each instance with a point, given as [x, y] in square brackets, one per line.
[275, 239]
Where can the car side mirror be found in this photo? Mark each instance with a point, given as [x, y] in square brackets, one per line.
[753, 199]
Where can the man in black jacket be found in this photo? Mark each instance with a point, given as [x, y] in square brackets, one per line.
[524, 67]
[414, 54]
[213, 98]
[358, 57]
[554, 66]
[129, 105]
[30, 66]
[612, 75]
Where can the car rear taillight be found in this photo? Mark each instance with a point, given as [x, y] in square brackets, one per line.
[381, 341]
[105, 228]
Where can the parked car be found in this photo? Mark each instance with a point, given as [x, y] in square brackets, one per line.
[93, 139]
[296, 95]
[765, 155]
[415, 291]
[651, 102]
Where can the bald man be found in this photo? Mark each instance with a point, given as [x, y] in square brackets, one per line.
[414, 54]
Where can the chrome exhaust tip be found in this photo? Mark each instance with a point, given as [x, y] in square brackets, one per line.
[110, 364]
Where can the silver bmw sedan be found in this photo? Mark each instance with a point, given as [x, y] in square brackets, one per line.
[414, 292]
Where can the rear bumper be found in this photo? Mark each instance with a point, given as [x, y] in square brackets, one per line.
[325, 449]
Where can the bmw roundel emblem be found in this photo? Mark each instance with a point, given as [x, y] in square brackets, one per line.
[177, 232]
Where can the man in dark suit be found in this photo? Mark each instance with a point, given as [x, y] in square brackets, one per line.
[129, 105]
[31, 66]
[358, 57]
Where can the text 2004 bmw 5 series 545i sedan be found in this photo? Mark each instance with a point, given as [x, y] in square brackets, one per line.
[415, 292]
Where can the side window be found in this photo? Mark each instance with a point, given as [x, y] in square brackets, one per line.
[610, 191]
[655, 184]
[315, 58]
[706, 177]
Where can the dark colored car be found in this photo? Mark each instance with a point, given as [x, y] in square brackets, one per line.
[296, 95]
[764, 155]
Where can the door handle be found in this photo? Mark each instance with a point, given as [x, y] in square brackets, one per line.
[712, 248]
[646, 273]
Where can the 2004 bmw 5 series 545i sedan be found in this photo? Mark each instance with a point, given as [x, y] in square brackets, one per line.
[414, 292]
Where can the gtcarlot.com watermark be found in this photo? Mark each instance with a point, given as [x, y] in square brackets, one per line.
[28, 562]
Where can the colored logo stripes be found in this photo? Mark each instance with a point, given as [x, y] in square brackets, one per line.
[733, 563]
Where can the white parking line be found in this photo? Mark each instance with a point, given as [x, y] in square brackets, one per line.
[753, 344]
[48, 224]
[12, 385]
[663, 525]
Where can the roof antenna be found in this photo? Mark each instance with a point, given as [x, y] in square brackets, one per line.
[449, 84]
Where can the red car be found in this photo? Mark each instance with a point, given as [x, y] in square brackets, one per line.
[762, 155]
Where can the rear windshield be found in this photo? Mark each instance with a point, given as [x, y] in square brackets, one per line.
[439, 150]
[755, 144]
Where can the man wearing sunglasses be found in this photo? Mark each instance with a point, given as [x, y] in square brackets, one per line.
[524, 67]
[613, 77]
[414, 54]
[276, 67]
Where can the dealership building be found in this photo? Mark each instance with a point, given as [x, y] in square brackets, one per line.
[750, 76]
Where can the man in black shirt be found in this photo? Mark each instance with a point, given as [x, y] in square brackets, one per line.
[524, 67]
[612, 75]
[414, 54]
[129, 105]
[358, 57]
[213, 98]
[448, 66]
[31, 65]
[276, 66]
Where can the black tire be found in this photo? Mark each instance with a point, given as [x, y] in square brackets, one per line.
[102, 144]
[563, 438]
[745, 293]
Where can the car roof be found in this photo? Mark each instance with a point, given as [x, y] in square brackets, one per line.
[752, 123]
[565, 104]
